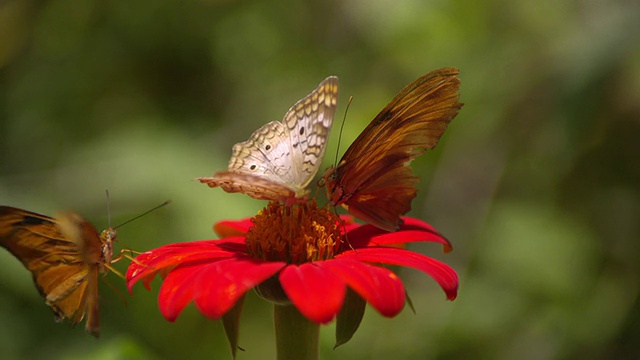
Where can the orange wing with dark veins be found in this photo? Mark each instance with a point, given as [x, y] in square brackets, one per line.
[373, 179]
[64, 257]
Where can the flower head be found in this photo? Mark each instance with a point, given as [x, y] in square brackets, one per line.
[302, 254]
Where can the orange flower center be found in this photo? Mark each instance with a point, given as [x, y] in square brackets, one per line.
[295, 234]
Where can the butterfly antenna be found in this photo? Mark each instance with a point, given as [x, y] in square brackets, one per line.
[335, 162]
[344, 119]
[143, 214]
[126, 249]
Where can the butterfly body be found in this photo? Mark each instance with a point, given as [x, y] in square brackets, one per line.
[373, 180]
[65, 256]
[280, 159]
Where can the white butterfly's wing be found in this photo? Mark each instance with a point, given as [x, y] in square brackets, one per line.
[267, 154]
[259, 166]
[279, 159]
[254, 186]
[309, 122]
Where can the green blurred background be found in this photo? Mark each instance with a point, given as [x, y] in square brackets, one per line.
[536, 182]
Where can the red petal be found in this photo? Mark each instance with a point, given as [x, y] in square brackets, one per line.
[378, 286]
[412, 223]
[177, 290]
[412, 230]
[222, 283]
[215, 286]
[230, 228]
[317, 293]
[161, 260]
[439, 271]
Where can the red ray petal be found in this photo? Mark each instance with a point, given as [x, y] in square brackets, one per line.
[439, 271]
[378, 286]
[412, 230]
[222, 283]
[214, 286]
[230, 228]
[413, 223]
[317, 293]
[177, 291]
[161, 260]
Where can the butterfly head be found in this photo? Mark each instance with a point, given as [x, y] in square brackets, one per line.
[331, 186]
[107, 238]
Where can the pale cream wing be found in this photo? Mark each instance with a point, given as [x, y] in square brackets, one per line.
[254, 186]
[309, 123]
[267, 154]
[279, 159]
[259, 167]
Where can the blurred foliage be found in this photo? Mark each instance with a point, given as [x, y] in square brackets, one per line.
[536, 182]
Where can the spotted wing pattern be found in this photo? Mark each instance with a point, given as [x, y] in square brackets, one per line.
[280, 159]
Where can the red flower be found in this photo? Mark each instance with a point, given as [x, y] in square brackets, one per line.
[313, 266]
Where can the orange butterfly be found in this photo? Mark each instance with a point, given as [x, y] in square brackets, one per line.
[373, 180]
[65, 256]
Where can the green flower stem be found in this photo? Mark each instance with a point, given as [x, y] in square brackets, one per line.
[296, 337]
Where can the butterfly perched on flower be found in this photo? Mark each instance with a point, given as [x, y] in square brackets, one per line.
[281, 158]
[65, 256]
[373, 179]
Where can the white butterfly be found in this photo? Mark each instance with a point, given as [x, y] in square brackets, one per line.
[281, 158]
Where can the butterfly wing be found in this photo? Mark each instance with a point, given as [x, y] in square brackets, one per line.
[373, 180]
[92, 248]
[258, 165]
[309, 123]
[63, 257]
[281, 158]
[254, 186]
